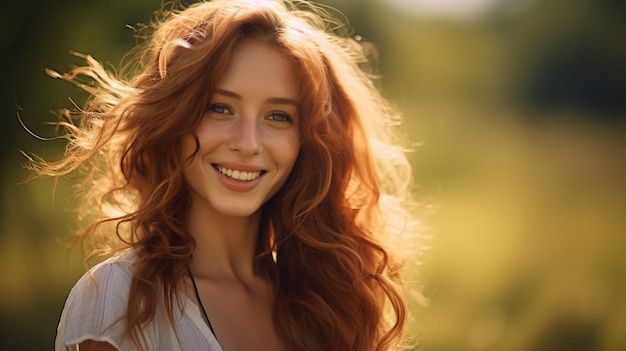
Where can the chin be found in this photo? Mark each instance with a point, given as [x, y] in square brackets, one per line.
[237, 210]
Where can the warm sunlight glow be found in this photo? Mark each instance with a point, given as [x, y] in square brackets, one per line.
[453, 8]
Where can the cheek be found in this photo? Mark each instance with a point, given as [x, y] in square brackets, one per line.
[190, 144]
[292, 150]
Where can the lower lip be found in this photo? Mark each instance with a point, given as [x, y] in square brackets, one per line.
[235, 185]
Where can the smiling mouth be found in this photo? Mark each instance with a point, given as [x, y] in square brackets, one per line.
[242, 176]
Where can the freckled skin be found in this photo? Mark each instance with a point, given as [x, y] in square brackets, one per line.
[250, 124]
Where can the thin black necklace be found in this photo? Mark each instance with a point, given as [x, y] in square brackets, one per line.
[195, 290]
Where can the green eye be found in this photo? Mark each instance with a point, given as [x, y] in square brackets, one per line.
[279, 117]
[221, 109]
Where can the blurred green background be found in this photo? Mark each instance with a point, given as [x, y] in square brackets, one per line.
[519, 111]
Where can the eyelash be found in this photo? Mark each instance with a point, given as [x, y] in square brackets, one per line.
[273, 116]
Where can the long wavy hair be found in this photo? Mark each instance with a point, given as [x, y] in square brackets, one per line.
[329, 238]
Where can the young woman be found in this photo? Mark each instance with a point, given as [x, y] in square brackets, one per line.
[245, 187]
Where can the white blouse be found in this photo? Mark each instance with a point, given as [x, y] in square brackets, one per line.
[95, 310]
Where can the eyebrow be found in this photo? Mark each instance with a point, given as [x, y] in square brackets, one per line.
[272, 100]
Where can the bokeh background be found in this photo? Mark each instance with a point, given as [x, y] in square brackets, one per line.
[517, 110]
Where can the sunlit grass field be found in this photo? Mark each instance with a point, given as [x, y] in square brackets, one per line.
[528, 243]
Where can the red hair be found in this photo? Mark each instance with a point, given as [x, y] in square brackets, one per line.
[324, 241]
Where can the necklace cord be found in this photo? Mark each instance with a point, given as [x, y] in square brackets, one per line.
[195, 290]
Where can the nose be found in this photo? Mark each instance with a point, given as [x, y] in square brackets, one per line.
[246, 137]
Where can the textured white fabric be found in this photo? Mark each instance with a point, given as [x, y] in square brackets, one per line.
[95, 308]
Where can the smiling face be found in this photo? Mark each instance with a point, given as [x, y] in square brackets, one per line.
[249, 137]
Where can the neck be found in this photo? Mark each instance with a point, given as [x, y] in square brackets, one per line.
[225, 246]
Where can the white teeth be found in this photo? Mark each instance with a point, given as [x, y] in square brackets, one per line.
[236, 174]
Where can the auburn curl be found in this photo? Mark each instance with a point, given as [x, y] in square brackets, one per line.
[325, 242]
